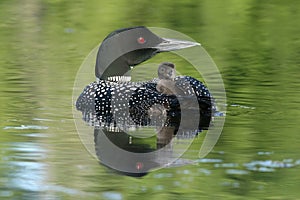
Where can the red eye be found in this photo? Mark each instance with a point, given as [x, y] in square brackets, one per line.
[141, 40]
[139, 165]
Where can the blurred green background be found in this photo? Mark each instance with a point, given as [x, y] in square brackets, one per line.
[256, 45]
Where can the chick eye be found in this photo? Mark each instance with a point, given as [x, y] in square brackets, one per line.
[141, 40]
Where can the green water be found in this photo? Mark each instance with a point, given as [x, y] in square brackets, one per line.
[256, 45]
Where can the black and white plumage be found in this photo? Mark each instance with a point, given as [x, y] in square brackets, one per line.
[124, 105]
[108, 102]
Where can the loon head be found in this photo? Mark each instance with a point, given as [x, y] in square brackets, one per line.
[128, 47]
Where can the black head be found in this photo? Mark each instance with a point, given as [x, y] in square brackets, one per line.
[128, 47]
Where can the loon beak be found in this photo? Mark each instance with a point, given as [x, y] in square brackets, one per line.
[174, 44]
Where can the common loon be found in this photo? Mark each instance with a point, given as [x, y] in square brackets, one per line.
[113, 101]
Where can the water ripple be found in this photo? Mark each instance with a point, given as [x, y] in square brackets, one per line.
[25, 127]
[268, 165]
[236, 172]
[112, 195]
[209, 160]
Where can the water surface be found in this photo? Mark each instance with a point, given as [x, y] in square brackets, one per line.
[256, 46]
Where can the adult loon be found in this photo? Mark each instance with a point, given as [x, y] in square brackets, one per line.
[113, 101]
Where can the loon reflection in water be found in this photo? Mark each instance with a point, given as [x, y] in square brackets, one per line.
[114, 104]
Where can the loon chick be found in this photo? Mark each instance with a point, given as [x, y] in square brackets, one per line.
[111, 102]
[166, 84]
[166, 70]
